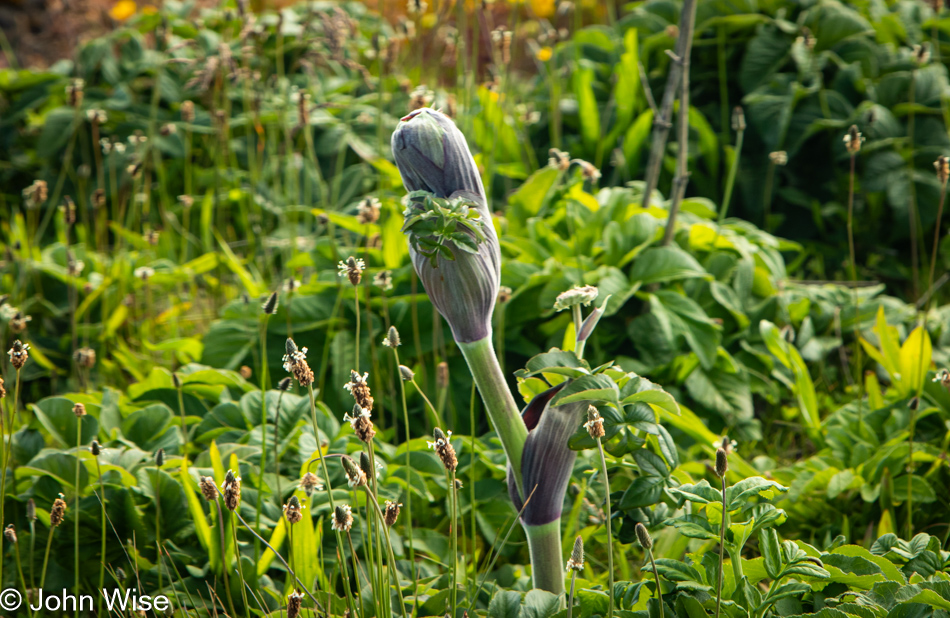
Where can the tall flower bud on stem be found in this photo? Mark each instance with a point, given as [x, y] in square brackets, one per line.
[455, 251]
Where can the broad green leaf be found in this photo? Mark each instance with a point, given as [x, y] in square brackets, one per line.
[635, 140]
[588, 113]
[251, 286]
[540, 604]
[665, 264]
[751, 487]
[694, 526]
[57, 417]
[505, 604]
[915, 355]
[202, 529]
[804, 387]
[644, 491]
[700, 493]
[659, 398]
[395, 248]
[917, 594]
[770, 550]
[588, 388]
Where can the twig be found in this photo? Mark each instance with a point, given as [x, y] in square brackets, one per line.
[682, 168]
[647, 92]
[933, 290]
[661, 122]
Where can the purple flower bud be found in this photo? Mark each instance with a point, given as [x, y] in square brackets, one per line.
[547, 461]
[461, 274]
[432, 155]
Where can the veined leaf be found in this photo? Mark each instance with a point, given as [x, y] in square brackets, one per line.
[915, 355]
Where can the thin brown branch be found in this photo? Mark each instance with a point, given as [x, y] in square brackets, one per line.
[661, 121]
[647, 92]
[682, 156]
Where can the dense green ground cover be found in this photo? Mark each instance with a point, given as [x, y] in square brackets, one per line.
[165, 185]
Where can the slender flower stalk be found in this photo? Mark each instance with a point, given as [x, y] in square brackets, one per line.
[232, 500]
[56, 514]
[377, 527]
[159, 462]
[176, 382]
[269, 308]
[456, 521]
[10, 534]
[329, 489]
[31, 516]
[393, 572]
[96, 451]
[722, 466]
[210, 492]
[80, 411]
[393, 341]
[912, 214]
[370, 533]
[435, 412]
[356, 570]
[595, 426]
[446, 452]
[352, 269]
[647, 542]
[575, 565]
[852, 142]
[914, 405]
[738, 125]
[19, 354]
[283, 386]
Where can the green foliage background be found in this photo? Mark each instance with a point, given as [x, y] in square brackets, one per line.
[831, 391]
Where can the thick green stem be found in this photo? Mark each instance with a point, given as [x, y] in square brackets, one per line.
[544, 543]
[500, 405]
